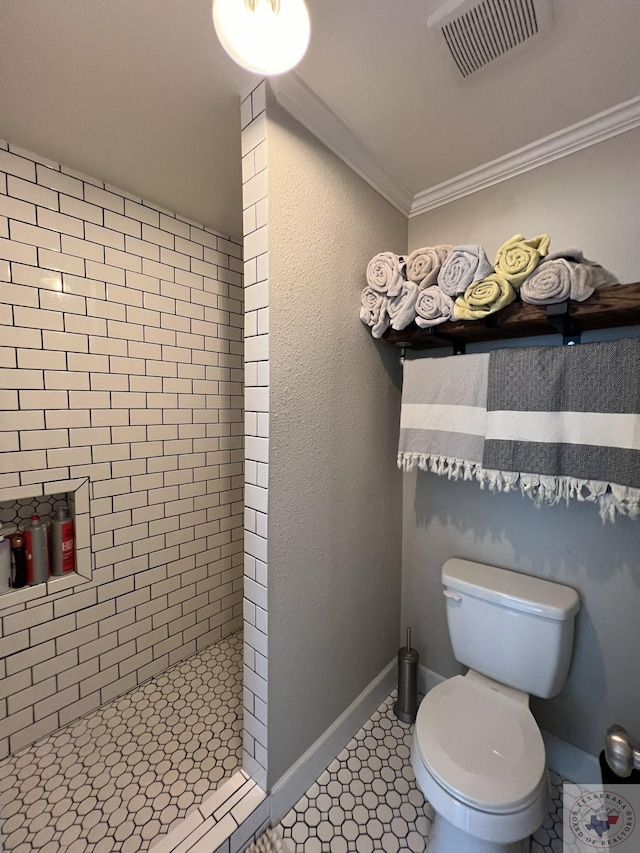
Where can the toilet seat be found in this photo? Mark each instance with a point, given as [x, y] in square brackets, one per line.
[480, 745]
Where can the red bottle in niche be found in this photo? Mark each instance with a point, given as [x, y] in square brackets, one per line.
[63, 553]
[36, 551]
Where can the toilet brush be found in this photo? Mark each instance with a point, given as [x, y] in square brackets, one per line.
[406, 707]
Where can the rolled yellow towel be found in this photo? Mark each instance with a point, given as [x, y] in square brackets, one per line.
[423, 265]
[517, 258]
[483, 298]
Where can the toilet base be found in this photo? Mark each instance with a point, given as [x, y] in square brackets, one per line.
[444, 837]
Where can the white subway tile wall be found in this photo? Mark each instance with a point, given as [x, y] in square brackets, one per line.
[254, 192]
[121, 361]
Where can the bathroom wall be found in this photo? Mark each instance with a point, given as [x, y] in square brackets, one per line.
[323, 512]
[590, 199]
[120, 361]
[334, 495]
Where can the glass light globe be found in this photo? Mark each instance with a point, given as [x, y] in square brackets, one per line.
[263, 36]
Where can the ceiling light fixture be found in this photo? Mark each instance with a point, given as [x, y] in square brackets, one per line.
[263, 36]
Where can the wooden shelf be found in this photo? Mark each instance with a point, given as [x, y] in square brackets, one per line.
[606, 308]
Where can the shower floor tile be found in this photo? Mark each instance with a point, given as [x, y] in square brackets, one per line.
[117, 778]
[367, 800]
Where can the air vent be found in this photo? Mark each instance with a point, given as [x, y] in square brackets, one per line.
[476, 33]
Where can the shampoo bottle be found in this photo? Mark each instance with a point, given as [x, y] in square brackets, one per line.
[36, 551]
[63, 558]
[5, 563]
[18, 561]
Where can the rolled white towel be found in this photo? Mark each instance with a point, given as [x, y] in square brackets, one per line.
[423, 265]
[462, 266]
[433, 307]
[402, 308]
[565, 275]
[373, 311]
[598, 276]
[384, 273]
[551, 282]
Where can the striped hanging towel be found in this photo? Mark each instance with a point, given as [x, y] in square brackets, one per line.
[556, 422]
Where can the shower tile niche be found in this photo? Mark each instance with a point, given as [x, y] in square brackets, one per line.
[16, 511]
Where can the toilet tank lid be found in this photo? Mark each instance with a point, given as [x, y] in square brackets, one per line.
[511, 589]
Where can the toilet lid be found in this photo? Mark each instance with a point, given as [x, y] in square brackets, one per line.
[480, 745]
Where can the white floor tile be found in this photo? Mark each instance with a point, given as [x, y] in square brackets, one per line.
[116, 779]
[367, 800]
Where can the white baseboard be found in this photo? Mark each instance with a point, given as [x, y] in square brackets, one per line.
[289, 788]
[570, 762]
[567, 760]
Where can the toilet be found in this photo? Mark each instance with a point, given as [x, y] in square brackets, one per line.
[477, 751]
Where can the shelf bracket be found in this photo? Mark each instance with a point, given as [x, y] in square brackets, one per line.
[558, 316]
[459, 347]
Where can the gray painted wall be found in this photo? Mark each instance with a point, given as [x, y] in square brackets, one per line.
[591, 199]
[334, 550]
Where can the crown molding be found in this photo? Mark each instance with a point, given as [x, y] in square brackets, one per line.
[305, 106]
[597, 128]
[311, 111]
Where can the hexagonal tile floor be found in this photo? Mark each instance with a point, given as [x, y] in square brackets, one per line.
[367, 800]
[117, 778]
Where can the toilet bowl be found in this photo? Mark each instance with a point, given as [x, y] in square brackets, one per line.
[479, 759]
[477, 752]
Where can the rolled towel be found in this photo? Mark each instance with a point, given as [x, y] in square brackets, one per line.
[433, 307]
[373, 311]
[423, 265]
[462, 266]
[598, 275]
[517, 258]
[483, 298]
[402, 308]
[558, 278]
[384, 273]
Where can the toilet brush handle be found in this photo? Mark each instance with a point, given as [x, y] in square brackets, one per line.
[621, 751]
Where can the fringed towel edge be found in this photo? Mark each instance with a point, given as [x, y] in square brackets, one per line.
[612, 498]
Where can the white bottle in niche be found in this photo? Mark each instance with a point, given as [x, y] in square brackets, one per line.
[63, 556]
[5, 563]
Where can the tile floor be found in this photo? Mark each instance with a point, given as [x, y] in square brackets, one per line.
[367, 799]
[117, 778]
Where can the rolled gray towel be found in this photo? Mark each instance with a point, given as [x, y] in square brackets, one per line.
[402, 308]
[384, 273]
[373, 311]
[462, 266]
[423, 265]
[566, 274]
[433, 307]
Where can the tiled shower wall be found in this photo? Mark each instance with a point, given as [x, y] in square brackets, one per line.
[120, 361]
[256, 274]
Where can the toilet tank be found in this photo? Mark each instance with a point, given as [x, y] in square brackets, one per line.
[511, 627]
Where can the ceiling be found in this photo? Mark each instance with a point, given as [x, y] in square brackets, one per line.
[140, 94]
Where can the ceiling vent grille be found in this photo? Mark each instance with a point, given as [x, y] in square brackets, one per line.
[476, 33]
